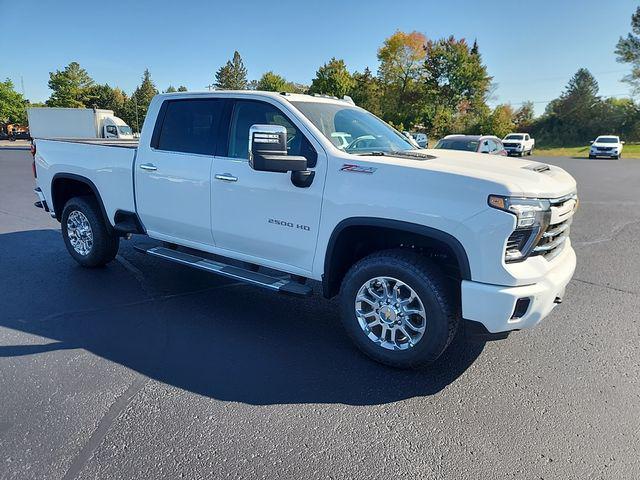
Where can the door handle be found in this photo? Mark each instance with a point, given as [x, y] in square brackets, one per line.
[150, 167]
[227, 177]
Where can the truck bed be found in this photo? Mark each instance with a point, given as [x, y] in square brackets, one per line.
[105, 163]
[110, 142]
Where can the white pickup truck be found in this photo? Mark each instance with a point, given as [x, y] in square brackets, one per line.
[519, 144]
[418, 244]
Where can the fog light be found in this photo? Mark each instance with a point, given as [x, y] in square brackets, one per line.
[522, 305]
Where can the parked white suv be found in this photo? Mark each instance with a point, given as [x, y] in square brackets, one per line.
[606, 146]
[518, 144]
[418, 244]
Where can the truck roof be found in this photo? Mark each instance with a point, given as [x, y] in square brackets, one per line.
[292, 97]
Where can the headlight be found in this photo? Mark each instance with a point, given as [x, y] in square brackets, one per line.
[532, 219]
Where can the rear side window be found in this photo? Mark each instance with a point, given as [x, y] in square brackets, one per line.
[191, 126]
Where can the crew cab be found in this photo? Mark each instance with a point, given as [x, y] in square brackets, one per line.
[519, 144]
[418, 244]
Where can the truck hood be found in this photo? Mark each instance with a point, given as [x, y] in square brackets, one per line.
[517, 177]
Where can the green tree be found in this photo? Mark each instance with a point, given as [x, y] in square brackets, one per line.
[233, 75]
[170, 89]
[366, 91]
[103, 96]
[332, 78]
[137, 106]
[455, 79]
[70, 87]
[574, 117]
[272, 82]
[12, 105]
[182, 88]
[500, 122]
[628, 51]
[523, 117]
[401, 59]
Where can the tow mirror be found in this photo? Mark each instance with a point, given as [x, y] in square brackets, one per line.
[268, 150]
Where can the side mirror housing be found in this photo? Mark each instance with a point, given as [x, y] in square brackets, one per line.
[591, 142]
[622, 142]
[268, 150]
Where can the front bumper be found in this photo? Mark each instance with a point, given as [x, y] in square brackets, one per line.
[518, 149]
[494, 305]
[603, 154]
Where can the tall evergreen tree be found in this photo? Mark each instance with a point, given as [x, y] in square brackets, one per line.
[628, 51]
[455, 80]
[70, 87]
[138, 104]
[366, 91]
[233, 75]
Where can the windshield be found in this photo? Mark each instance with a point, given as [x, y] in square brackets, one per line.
[457, 144]
[125, 130]
[514, 137]
[352, 129]
[607, 140]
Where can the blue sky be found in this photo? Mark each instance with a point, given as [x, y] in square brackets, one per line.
[530, 48]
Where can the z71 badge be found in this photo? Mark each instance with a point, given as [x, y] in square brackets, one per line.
[352, 167]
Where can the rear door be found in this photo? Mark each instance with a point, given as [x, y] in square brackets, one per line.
[173, 174]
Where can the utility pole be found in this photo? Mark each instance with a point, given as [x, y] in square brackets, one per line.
[135, 100]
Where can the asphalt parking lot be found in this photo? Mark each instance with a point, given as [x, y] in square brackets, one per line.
[150, 370]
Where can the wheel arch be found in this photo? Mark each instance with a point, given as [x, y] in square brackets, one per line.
[382, 233]
[65, 186]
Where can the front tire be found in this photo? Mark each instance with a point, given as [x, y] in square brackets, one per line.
[86, 236]
[398, 308]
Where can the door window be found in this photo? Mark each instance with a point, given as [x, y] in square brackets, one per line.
[247, 113]
[190, 126]
[112, 130]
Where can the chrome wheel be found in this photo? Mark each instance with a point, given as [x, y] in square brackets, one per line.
[79, 232]
[390, 313]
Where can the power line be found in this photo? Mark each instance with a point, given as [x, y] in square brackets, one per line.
[495, 102]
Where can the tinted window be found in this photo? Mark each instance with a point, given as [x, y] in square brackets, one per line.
[453, 144]
[607, 140]
[190, 126]
[247, 113]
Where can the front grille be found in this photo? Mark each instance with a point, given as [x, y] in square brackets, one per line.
[553, 238]
[510, 144]
[604, 149]
[517, 242]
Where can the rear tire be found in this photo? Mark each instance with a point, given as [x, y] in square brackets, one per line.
[369, 316]
[87, 238]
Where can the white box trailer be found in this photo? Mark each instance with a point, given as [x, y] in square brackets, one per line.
[76, 123]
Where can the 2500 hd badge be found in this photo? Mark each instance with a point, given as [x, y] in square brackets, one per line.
[284, 223]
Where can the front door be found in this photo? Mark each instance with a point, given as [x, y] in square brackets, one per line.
[173, 175]
[262, 214]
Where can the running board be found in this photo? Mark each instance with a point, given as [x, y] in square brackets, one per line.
[281, 285]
